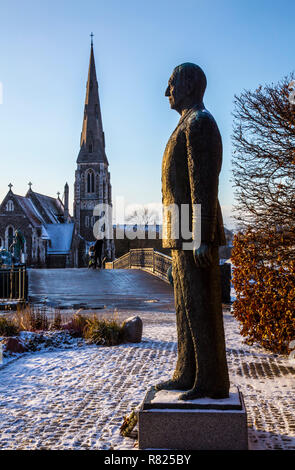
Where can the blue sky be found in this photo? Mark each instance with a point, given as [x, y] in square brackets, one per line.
[45, 49]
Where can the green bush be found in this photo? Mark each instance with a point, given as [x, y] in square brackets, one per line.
[8, 327]
[57, 321]
[77, 325]
[106, 332]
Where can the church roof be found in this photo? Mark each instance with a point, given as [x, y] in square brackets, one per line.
[39, 209]
[30, 210]
[50, 209]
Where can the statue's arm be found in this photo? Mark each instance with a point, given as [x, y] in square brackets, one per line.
[204, 162]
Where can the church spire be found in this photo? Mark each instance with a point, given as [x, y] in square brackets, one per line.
[92, 136]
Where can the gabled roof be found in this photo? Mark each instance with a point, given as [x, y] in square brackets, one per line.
[30, 210]
[46, 213]
[50, 209]
[24, 205]
[38, 208]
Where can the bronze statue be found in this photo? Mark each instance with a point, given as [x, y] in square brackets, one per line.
[190, 173]
[17, 247]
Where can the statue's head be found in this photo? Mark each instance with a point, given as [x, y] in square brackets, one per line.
[186, 86]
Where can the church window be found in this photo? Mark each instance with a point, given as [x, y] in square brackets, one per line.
[90, 182]
[10, 206]
[90, 148]
[87, 221]
[1, 243]
[9, 234]
[104, 191]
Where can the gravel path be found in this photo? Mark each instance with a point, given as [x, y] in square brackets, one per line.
[76, 398]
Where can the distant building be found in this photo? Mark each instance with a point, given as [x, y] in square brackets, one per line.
[52, 237]
[45, 223]
[92, 177]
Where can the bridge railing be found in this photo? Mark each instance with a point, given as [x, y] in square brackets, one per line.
[143, 258]
[157, 263]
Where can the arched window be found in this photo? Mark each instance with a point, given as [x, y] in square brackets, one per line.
[90, 181]
[9, 206]
[25, 247]
[9, 234]
[90, 148]
[104, 192]
[86, 221]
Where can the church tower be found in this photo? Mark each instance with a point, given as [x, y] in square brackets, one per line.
[92, 177]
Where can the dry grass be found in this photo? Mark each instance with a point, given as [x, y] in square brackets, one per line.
[104, 331]
[31, 318]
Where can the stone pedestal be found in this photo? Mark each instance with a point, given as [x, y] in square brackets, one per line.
[164, 422]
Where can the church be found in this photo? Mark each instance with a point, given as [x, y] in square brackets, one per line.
[52, 237]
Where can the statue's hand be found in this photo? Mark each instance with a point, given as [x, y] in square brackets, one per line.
[203, 255]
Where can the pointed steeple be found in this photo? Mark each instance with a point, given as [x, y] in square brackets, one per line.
[92, 136]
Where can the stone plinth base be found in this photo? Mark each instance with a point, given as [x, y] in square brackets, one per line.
[164, 422]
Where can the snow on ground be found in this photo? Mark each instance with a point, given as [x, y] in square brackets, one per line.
[41, 342]
[76, 398]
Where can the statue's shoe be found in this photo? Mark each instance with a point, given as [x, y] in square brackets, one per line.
[173, 385]
[195, 393]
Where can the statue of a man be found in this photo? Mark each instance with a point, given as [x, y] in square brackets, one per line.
[190, 173]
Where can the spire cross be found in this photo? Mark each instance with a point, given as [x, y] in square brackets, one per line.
[91, 35]
[10, 186]
[58, 194]
[30, 185]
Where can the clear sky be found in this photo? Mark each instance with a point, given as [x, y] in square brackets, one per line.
[45, 48]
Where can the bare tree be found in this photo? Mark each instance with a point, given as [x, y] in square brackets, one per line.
[143, 216]
[264, 175]
[264, 157]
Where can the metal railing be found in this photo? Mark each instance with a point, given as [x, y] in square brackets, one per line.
[157, 263]
[144, 258]
[14, 283]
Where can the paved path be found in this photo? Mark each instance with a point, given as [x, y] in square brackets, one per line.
[76, 398]
[118, 288]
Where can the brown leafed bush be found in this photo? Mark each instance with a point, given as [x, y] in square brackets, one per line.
[264, 281]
